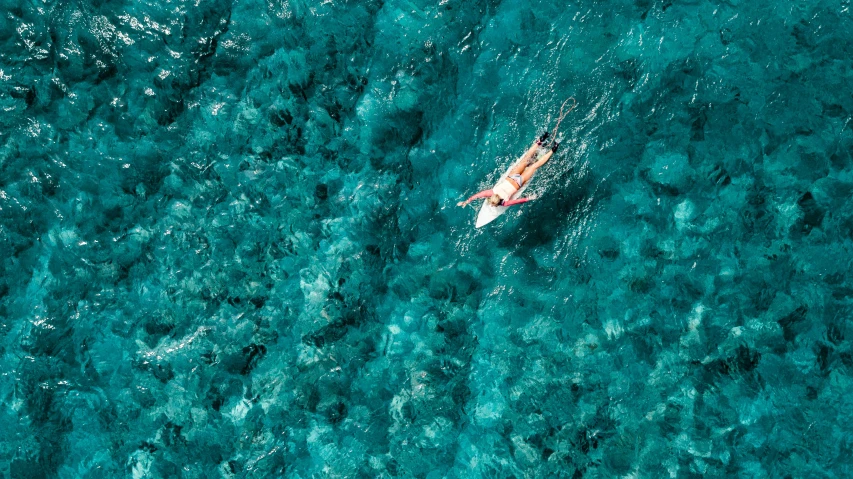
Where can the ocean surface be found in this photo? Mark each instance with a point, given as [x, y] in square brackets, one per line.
[231, 248]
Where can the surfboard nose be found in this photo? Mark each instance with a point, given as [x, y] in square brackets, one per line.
[488, 213]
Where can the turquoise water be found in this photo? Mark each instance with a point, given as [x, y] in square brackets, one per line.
[230, 245]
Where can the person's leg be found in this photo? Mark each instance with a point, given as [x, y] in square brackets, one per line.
[525, 158]
[528, 172]
[520, 166]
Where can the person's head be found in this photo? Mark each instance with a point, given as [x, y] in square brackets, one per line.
[495, 200]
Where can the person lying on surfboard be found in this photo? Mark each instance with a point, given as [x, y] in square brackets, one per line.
[501, 194]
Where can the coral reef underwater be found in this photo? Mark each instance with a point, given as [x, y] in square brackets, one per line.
[230, 245]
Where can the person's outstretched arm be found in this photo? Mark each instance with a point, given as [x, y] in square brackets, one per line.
[482, 194]
[517, 201]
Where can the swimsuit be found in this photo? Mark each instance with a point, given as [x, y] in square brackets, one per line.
[505, 189]
[518, 179]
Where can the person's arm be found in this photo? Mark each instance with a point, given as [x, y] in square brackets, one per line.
[482, 194]
[516, 201]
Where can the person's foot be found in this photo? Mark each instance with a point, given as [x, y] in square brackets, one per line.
[555, 146]
[543, 138]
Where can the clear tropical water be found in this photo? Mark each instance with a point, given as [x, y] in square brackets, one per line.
[230, 245]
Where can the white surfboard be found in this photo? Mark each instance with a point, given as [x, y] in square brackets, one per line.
[489, 213]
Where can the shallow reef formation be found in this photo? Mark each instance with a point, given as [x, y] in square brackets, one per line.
[230, 245]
